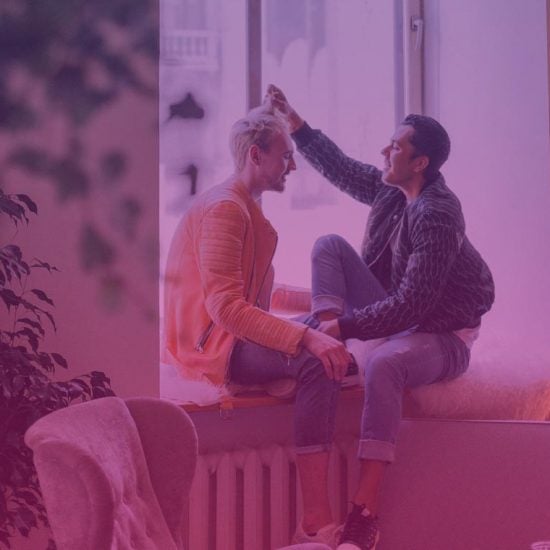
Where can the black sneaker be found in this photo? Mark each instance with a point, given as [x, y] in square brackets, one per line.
[353, 369]
[360, 530]
[351, 378]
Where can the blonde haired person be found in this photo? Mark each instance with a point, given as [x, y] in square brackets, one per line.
[217, 326]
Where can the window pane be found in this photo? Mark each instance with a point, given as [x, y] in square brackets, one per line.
[202, 92]
[335, 62]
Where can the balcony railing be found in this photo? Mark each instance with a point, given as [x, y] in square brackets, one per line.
[196, 50]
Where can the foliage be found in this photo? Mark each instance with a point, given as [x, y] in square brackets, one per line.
[64, 62]
[27, 388]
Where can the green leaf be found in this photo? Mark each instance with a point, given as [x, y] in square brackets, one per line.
[71, 180]
[12, 262]
[27, 516]
[45, 265]
[33, 160]
[28, 496]
[14, 210]
[45, 362]
[70, 88]
[18, 383]
[148, 43]
[113, 166]
[31, 337]
[10, 298]
[120, 69]
[50, 317]
[60, 360]
[95, 250]
[29, 306]
[34, 324]
[16, 115]
[31, 205]
[12, 251]
[126, 217]
[42, 296]
[6, 266]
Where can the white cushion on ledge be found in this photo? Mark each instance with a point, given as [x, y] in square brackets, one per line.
[473, 398]
[176, 388]
[498, 385]
[478, 394]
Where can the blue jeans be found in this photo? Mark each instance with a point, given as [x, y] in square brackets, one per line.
[341, 282]
[316, 394]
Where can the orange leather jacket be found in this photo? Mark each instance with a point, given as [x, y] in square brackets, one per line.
[218, 282]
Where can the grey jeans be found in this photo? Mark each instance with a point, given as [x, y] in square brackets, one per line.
[341, 282]
[316, 394]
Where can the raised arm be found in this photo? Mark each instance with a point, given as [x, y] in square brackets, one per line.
[357, 179]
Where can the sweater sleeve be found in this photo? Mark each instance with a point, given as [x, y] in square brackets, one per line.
[435, 245]
[220, 245]
[359, 180]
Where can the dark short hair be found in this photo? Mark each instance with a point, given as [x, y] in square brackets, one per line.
[429, 139]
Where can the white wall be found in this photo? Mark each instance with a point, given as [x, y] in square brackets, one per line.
[488, 84]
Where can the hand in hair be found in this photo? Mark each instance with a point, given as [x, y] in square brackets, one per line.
[279, 102]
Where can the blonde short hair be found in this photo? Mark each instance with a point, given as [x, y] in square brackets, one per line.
[258, 127]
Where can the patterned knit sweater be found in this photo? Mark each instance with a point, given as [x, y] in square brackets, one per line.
[436, 280]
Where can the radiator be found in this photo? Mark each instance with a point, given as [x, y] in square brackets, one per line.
[249, 499]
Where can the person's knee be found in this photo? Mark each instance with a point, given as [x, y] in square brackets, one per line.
[312, 371]
[383, 372]
[331, 242]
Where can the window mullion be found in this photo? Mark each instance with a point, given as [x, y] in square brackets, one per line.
[254, 53]
[413, 48]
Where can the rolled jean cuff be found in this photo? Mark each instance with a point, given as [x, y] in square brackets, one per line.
[326, 302]
[373, 449]
[308, 449]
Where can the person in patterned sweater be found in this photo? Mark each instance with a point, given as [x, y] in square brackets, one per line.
[419, 285]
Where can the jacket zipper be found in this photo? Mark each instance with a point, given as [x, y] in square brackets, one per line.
[204, 338]
[268, 266]
[388, 241]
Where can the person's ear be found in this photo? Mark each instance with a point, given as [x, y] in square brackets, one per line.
[421, 163]
[254, 154]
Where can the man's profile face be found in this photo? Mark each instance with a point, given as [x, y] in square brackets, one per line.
[277, 162]
[399, 158]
